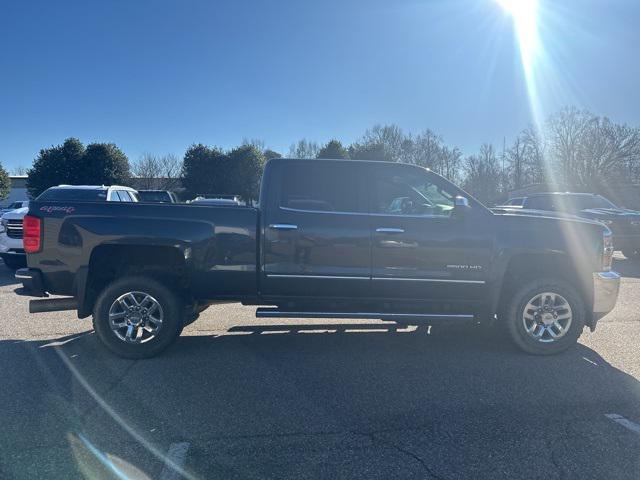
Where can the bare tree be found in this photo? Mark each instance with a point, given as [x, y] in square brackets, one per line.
[608, 152]
[590, 150]
[19, 170]
[304, 149]
[427, 151]
[396, 144]
[254, 142]
[451, 165]
[157, 173]
[146, 170]
[566, 132]
[515, 157]
[483, 176]
[535, 165]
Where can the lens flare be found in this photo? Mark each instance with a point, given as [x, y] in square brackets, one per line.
[525, 17]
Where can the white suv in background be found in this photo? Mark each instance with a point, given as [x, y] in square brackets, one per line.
[11, 248]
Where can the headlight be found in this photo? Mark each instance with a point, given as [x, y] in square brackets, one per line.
[3, 225]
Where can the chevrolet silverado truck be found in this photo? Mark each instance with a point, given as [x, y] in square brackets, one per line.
[330, 239]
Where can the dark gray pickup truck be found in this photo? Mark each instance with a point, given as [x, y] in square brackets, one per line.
[332, 239]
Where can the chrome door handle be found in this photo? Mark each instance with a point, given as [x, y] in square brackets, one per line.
[389, 230]
[283, 226]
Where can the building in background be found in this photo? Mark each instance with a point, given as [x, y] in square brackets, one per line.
[18, 190]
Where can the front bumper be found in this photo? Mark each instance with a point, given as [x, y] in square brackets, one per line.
[8, 244]
[13, 254]
[606, 286]
[626, 241]
[13, 258]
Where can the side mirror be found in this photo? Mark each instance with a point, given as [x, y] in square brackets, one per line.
[461, 205]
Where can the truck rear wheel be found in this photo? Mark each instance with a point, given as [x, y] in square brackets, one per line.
[138, 317]
[545, 316]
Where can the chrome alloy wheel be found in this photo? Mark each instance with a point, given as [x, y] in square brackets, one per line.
[547, 317]
[135, 317]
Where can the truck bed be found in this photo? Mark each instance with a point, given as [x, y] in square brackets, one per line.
[218, 245]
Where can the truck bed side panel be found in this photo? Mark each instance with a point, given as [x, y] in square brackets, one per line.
[218, 244]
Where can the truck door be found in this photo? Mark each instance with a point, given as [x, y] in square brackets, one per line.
[316, 239]
[420, 249]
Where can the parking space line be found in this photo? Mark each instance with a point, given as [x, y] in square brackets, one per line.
[174, 461]
[57, 343]
[628, 424]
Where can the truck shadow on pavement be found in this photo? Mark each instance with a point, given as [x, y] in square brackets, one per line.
[317, 401]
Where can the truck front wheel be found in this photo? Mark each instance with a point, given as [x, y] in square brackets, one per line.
[545, 316]
[138, 317]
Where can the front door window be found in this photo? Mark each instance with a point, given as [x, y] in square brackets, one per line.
[409, 191]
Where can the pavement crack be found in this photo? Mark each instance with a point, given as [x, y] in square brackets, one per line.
[273, 435]
[110, 389]
[406, 452]
[554, 461]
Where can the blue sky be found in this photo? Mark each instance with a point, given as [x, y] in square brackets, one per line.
[156, 76]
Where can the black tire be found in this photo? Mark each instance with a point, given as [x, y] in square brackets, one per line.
[172, 322]
[514, 311]
[14, 263]
[631, 253]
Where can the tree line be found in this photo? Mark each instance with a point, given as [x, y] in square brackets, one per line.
[572, 148]
[5, 183]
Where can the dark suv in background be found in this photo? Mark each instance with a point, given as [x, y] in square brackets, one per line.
[157, 196]
[623, 223]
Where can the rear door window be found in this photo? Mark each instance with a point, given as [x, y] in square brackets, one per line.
[124, 196]
[323, 187]
[540, 203]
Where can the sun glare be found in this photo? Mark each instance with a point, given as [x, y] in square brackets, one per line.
[524, 15]
[525, 19]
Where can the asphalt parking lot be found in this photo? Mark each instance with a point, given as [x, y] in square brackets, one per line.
[239, 397]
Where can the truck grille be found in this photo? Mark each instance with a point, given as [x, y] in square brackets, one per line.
[14, 228]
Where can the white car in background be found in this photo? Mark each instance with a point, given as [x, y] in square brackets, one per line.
[14, 206]
[11, 248]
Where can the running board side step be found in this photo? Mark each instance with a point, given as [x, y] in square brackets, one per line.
[273, 312]
[52, 305]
